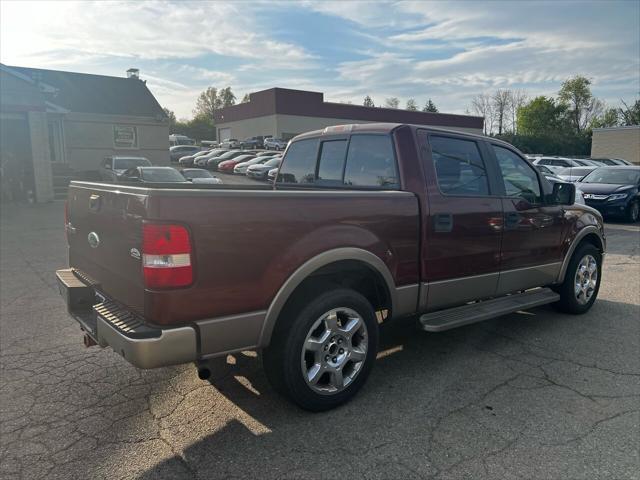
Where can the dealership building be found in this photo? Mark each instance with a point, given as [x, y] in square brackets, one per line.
[284, 113]
[617, 142]
[55, 126]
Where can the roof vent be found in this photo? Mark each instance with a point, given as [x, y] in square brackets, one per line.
[133, 73]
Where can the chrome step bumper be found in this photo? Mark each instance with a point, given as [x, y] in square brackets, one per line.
[109, 324]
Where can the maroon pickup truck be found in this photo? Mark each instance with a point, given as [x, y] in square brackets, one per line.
[365, 223]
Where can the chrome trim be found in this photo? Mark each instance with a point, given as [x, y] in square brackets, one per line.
[233, 333]
[313, 264]
[579, 236]
[174, 346]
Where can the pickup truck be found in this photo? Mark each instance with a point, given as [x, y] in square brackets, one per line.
[363, 224]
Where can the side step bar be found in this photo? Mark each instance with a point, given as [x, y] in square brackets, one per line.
[484, 310]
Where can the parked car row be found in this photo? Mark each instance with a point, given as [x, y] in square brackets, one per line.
[559, 163]
[253, 163]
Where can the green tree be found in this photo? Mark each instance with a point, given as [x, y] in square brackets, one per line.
[582, 106]
[245, 99]
[226, 97]
[368, 102]
[412, 106]
[392, 102]
[609, 118]
[630, 115]
[542, 116]
[171, 117]
[207, 103]
[430, 107]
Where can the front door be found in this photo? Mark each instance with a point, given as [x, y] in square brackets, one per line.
[463, 222]
[531, 244]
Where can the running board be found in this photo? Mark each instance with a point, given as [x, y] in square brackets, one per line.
[484, 310]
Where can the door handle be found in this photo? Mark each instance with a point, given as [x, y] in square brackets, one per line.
[443, 222]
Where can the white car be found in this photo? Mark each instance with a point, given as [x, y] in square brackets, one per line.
[202, 160]
[230, 143]
[556, 164]
[112, 167]
[241, 168]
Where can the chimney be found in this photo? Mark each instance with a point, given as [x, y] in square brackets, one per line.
[133, 73]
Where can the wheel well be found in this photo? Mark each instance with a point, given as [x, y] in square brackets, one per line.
[352, 274]
[594, 240]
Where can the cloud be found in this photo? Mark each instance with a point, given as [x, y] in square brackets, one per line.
[448, 51]
[136, 30]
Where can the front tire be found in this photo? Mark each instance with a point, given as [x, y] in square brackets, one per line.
[581, 284]
[633, 212]
[323, 349]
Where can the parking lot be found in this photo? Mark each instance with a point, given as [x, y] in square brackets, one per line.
[531, 395]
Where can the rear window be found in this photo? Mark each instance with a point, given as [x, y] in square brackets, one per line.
[331, 163]
[162, 175]
[364, 161]
[127, 163]
[300, 163]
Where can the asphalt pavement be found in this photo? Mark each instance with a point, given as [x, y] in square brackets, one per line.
[536, 395]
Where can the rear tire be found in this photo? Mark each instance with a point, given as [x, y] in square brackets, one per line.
[581, 283]
[323, 349]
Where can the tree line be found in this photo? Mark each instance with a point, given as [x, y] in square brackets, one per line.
[560, 125]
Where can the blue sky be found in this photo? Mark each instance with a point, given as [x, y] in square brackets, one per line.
[447, 51]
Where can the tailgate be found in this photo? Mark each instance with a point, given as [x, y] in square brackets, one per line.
[105, 239]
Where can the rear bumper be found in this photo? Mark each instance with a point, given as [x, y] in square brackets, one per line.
[111, 325]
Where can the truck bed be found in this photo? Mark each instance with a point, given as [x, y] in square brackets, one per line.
[246, 241]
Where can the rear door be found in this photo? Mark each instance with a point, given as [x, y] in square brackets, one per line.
[531, 244]
[463, 226]
[105, 241]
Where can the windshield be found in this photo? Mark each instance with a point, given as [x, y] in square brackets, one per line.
[620, 176]
[127, 163]
[196, 174]
[274, 162]
[161, 175]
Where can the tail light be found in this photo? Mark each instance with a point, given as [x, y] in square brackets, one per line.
[166, 256]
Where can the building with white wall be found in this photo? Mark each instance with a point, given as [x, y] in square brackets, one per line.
[57, 125]
[284, 113]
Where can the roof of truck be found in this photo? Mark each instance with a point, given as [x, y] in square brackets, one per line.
[349, 128]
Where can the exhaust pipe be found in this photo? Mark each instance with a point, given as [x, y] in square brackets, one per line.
[88, 341]
[203, 371]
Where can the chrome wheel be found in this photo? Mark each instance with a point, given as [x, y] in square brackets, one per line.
[334, 351]
[586, 279]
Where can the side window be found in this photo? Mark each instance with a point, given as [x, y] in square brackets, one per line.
[331, 162]
[371, 162]
[299, 164]
[519, 178]
[459, 166]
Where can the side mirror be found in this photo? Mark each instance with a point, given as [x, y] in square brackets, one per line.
[564, 193]
[107, 167]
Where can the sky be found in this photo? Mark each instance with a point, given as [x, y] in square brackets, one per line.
[446, 51]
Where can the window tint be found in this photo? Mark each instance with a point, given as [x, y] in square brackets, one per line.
[300, 162]
[332, 161]
[459, 166]
[370, 162]
[519, 178]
